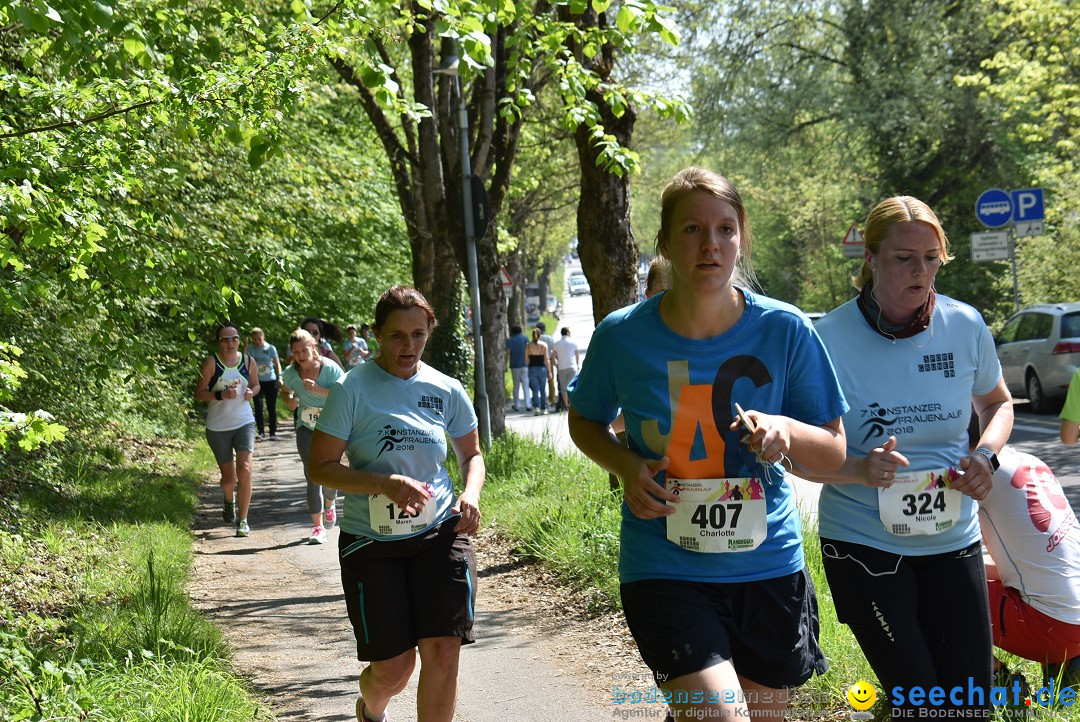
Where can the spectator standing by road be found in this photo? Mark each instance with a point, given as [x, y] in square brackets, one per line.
[269, 365]
[568, 359]
[550, 343]
[539, 358]
[515, 346]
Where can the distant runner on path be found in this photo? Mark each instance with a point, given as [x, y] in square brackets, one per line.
[228, 381]
[408, 568]
[306, 383]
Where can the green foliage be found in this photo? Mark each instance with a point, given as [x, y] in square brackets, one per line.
[95, 621]
[33, 429]
[1031, 83]
[561, 513]
[818, 110]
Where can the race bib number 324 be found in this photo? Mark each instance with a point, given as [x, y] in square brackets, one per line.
[920, 503]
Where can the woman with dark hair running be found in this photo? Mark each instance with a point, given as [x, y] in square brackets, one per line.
[407, 564]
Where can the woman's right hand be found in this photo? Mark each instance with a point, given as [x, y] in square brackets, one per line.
[641, 490]
[407, 493]
[878, 468]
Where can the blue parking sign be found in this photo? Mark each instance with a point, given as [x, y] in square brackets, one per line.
[994, 208]
[1028, 205]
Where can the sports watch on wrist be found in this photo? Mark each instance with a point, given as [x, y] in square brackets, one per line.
[990, 456]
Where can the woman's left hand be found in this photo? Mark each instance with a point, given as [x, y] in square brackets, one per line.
[468, 505]
[771, 440]
[977, 479]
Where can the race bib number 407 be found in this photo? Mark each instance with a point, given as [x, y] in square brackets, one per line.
[717, 515]
[920, 503]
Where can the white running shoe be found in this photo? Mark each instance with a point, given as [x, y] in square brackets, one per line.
[318, 535]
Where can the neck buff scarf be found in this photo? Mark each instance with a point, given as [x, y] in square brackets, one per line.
[871, 311]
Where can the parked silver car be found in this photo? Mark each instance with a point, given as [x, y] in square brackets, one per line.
[1039, 350]
[578, 285]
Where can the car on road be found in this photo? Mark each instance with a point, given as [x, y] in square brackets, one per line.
[1039, 350]
[578, 285]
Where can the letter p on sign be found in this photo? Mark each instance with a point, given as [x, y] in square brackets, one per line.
[1028, 205]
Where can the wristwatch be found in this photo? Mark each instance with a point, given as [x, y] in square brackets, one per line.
[990, 456]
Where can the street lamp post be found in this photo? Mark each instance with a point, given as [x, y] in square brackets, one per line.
[450, 67]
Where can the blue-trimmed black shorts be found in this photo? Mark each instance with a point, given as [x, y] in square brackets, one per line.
[768, 628]
[398, 592]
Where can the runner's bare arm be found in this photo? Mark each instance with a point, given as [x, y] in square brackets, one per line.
[473, 471]
[207, 370]
[876, 469]
[326, 469]
[253, 374]
[810, 447]
[639, 487]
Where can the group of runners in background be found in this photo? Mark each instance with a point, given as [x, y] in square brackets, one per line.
[722, 393]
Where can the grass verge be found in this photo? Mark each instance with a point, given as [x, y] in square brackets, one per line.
[557, 508]
[95, 622]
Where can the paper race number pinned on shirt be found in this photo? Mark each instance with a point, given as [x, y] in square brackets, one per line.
[717, 515]
[389, 519]
[920, 503]
[309, 416]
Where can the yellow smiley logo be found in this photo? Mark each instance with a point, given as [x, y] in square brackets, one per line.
[861, 695]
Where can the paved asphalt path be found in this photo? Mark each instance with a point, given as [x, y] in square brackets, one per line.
[280, 603]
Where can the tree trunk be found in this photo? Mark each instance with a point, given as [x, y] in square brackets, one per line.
[493, 329]
[606, 245]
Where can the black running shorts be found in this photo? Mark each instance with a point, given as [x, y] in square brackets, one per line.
[767, 628]
[398, 592]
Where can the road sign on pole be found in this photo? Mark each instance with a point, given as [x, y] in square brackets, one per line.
[1028, 205]
[1024, 229]
[853, 243]
[994, 208]
[504, 278]
[990, 246]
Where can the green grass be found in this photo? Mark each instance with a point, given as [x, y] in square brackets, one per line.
[95, 622]
[557, 508]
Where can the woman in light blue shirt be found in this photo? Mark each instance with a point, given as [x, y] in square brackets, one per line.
[306, 383]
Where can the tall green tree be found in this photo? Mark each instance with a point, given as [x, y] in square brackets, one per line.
[1031, 82]
[130, 214]
[507, 53]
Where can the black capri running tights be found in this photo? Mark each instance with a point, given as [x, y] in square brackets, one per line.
[922, 621]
